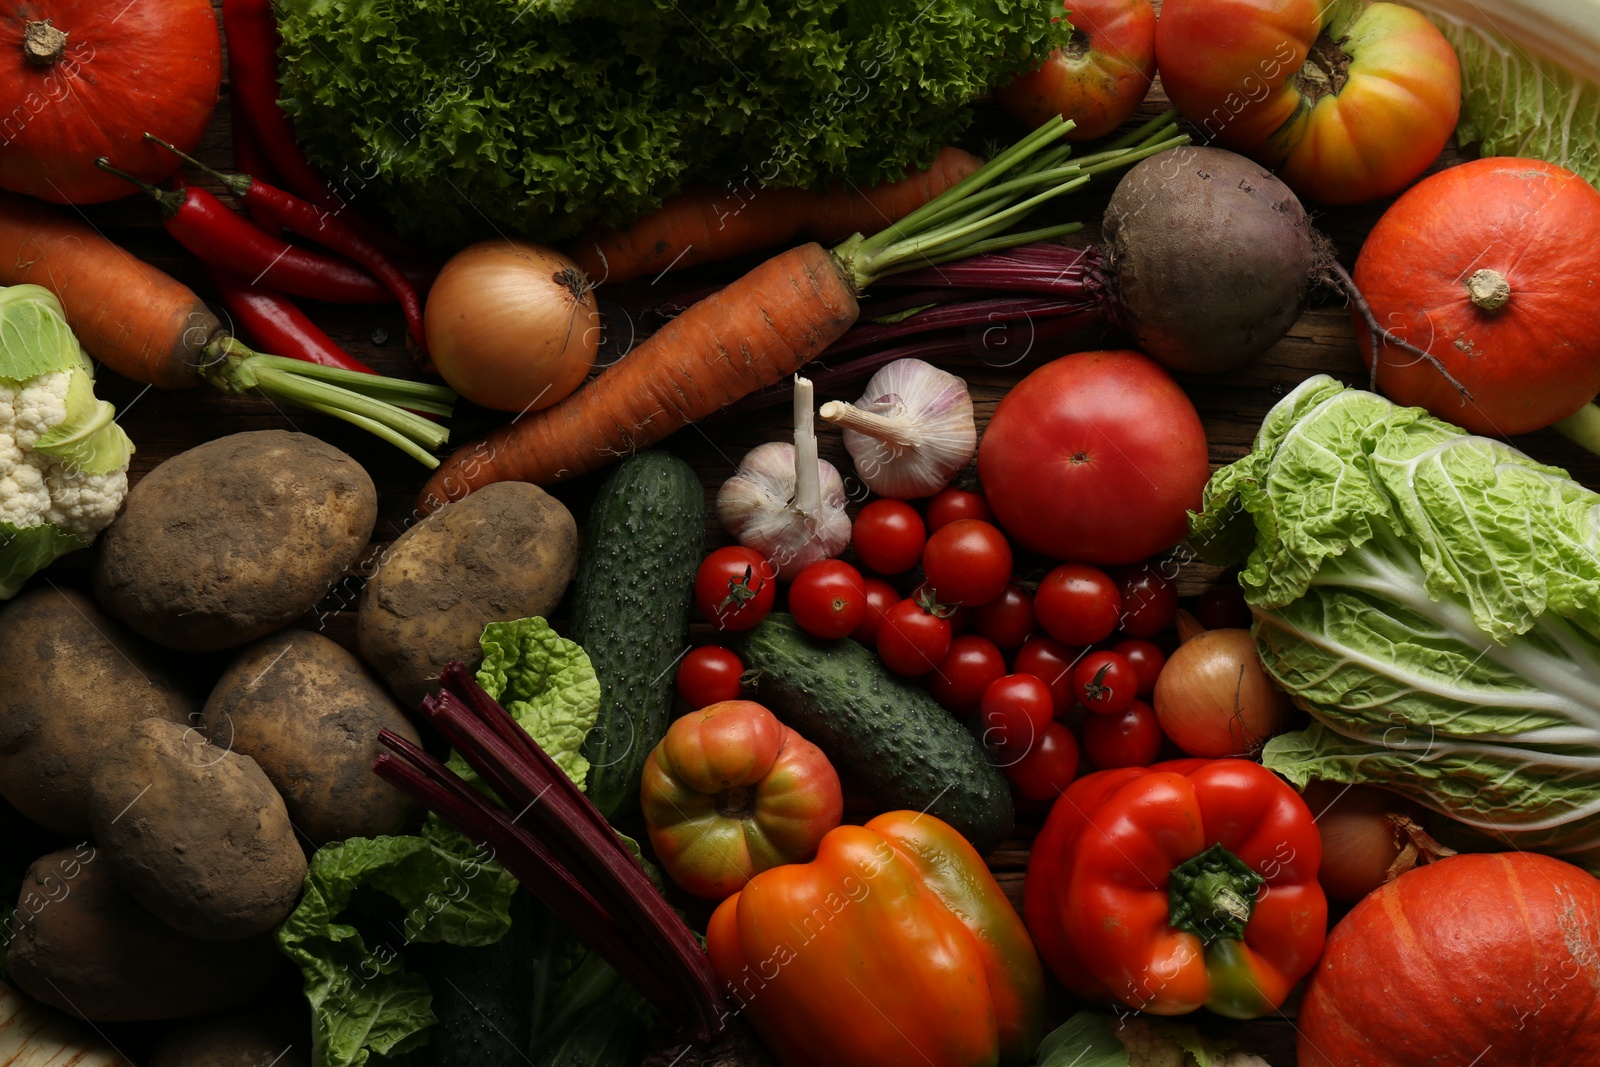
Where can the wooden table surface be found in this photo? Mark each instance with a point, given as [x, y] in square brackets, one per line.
[163, 424]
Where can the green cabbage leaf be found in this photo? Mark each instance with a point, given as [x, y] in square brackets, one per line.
[1432, 598]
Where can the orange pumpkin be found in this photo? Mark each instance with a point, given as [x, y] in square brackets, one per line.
[81, 79]
[1493, 267]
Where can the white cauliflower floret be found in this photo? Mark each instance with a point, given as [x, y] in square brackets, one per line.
[40, 405]
[36, 488]
[23, 496]
[84, 504]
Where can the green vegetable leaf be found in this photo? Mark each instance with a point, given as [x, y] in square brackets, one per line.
[89, 436]
[34, 336]
[437, 886]
[27, 550]
[547, 684]
[1088, 1039]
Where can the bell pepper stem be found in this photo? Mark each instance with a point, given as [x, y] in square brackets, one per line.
[1212, 895]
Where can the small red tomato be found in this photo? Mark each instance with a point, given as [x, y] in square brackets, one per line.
[881, 596]
[1104, 682]
[1015, 711]
[734, 587]
[1149, 599]
[1051, 662]
[1007, 620]
[968, 668]
[1147, 660]
[1099, 80]
[1131, 738]
[708, 675]
[948, 505]
[968, 561]
[828, 599]
[888, 536]
[912, 639]
[1222, 607]
[1077, 604]
[1049, 767]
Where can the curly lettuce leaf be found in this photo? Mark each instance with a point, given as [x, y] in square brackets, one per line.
[27, 550]
[34, 336]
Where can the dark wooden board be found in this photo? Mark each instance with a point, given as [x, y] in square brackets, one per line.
[162, 424]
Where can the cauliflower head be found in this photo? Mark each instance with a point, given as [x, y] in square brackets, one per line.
[63, 458]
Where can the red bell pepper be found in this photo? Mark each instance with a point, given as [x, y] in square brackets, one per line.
[1186, 884]
[894, 946]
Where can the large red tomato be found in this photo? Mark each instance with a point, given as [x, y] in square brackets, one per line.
[1347, 100]
[1097, 456]
[1099, 79]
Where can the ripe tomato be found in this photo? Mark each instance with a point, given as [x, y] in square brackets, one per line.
[1015, 712]
[1147, 660]
[881, 596]
[948, 505]
[889, 535]
[734, 587]
[1131, 738]
[1007, 620]
[708, 675]
[913, 640]
[1149, 599]
[1098, 457]
[967, 562]
[828, 599]
[1347, 101]
[1049, 767]
[1077, 605]
[968, 668]
[1051, 662]
[1099, 79]
[1104, 682]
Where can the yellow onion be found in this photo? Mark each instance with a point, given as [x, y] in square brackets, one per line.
[1214, 699]
[512, 325]
[1369, 837]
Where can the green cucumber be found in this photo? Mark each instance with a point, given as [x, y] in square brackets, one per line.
[630, 612]
[880, 730]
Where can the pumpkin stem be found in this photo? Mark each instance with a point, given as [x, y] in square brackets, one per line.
[1336, 276]
[1489, 289]
[42, 43]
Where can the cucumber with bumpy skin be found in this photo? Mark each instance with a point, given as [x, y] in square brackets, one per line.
[880, 730]
[630, 612]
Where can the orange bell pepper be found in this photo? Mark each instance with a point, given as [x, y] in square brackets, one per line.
[894, 946]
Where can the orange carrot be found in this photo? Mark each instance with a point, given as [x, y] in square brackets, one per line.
[751, 334]
[706, 225]
[130, 316]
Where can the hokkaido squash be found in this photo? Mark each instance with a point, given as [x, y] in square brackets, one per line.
[1493, 267]
[86, 78]
[1488, 960]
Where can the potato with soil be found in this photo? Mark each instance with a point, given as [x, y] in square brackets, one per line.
[234, 539]
[71, 680]
[309, 713]
[195, 833]
[81, 944]
[260, 1035]
[505, 552]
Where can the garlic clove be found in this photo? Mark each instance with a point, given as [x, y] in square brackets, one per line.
[911, 431]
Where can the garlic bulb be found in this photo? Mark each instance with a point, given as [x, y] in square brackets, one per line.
[911, 431]
[783, 501]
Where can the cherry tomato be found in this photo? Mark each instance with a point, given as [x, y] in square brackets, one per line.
[1131, 738]
[1104, 682]
[948, 505]
[1077, 604]
[1050, 661]
[881, 596]
[734, 587]
[1014, 712]
[1049, 767]
[968, 561]
[889, 535]
[1007, 620]
[708, 674]
[968, 668]
[1147, 660]
[1222, 607]
[913, 640]
[828, 599]
[1149, 599]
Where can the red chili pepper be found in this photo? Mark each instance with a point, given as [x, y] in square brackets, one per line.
[248, 157]
[251, 30]
[308, 220]
[275, 325]
[223, 238]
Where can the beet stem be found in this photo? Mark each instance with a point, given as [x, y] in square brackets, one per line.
[1377, 335]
